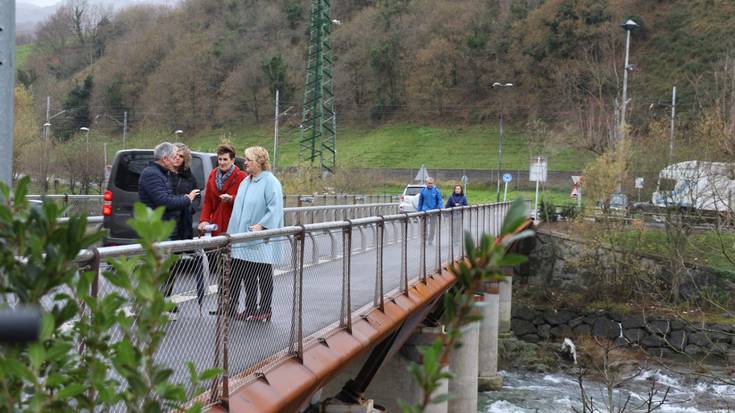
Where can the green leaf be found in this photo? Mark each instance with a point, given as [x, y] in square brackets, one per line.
[210, 374]
[69, 391]
[36, 355]
[48, 324]
[516, 216]
[512, 259]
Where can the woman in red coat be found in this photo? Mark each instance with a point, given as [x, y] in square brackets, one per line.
[220, 191]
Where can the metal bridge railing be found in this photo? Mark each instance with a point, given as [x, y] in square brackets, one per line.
[92, 204]
[316, 276]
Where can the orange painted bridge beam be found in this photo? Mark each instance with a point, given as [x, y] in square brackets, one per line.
[289, 385]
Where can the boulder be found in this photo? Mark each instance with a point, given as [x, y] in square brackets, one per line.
[582, 330]
[576, 321]
[523, 312]
[538, 321]
[561, 331]
[678, 325]
[544, 331]
[604, 327]
[678, 339]
[693, 350]
[634, 335]
[653, 341]
[660, 327]
[558, 317]
[522, 327]
[531, 338]
[700, 339]
[633, 321]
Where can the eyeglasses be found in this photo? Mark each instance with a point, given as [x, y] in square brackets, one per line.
[223, 159]
[249, 160]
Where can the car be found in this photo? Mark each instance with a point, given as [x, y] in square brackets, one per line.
[122, 190]
[409, 201]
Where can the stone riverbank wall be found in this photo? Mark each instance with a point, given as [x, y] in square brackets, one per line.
[569, 263]
[658, 335]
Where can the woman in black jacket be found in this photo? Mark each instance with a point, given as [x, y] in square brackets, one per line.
[182, 182]
[457, 198]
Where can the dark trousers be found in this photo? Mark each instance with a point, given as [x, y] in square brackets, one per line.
[256, 276]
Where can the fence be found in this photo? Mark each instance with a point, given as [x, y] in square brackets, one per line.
[300, 283]
[92, 204]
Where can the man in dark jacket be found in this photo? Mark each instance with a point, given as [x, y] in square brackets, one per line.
[154, 188]
[155, 191]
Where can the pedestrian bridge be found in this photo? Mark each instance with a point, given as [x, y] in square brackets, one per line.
[340, 289]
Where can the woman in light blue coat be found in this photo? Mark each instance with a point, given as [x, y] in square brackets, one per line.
[258, 206]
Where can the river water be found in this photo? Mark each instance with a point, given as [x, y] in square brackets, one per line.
[530, 392]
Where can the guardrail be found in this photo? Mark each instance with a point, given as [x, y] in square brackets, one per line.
[321, 274]
[312, 215]
[92, 204]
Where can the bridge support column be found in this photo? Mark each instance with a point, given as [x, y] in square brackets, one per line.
[463, 365]
[506, 292]
[393, 381]
[488, 378]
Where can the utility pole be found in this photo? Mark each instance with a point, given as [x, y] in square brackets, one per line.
[46, 126]
[7, 87]
[673, 121]
[500, 140]
[628, 26]
[125, 131]
[275, 135]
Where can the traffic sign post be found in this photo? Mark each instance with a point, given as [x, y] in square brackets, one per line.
[577, 189]
[639, 186]
[506, 178]
[537, 173]
[464, 184]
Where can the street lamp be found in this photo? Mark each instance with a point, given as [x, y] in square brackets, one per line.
[500, 141]
[628, 26]
[86, 160]
[178, 133]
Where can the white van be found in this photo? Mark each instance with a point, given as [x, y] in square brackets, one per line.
[706, 186]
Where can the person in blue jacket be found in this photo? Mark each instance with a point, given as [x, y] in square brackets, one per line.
[258, 206]
[457, 198]
[430, 198]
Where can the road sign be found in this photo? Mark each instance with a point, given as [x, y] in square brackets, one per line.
[537, 171]
[639, 183]
[577, 179]
[422, 175]
[507, 178]
[465, 180]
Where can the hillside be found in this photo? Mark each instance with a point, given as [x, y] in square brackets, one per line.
[215, 65]
[392, 146]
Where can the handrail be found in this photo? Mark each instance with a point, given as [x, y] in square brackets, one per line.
[350, 246]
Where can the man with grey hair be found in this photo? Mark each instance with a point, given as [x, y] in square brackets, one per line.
[153, 186]
[429, 199]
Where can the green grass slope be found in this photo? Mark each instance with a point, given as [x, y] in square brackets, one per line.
[394, 146]
[21, 55]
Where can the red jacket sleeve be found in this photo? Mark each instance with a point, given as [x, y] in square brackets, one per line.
[210, 197]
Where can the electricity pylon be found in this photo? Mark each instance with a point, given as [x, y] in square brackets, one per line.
[318, 122]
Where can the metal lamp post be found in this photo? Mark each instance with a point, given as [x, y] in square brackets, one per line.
[500, 140]
[627, 26]
[86, 160]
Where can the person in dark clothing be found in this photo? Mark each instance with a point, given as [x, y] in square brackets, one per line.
[154, 189]
[457, 198]
[182, 182]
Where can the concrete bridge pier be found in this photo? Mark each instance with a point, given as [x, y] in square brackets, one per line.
[506, 292]
[463, 365]
[393, 382]
[488, 378]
